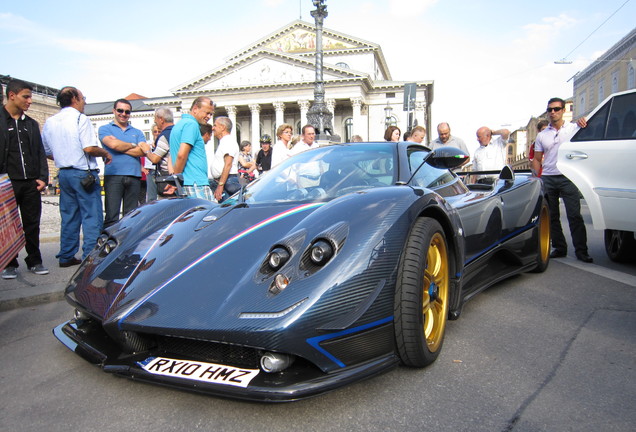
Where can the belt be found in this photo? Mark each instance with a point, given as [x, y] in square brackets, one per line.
[79, 169]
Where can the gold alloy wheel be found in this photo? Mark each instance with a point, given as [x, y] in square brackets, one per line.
[435, 295]
[544, 233]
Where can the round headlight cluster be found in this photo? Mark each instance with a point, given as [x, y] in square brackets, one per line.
[109, 246]
[277, 258]
[321, 252]
[101, 240]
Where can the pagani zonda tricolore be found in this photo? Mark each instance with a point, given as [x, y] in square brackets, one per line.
[336, 265]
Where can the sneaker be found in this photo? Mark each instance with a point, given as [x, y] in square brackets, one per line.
[39, 269]
[10, 273]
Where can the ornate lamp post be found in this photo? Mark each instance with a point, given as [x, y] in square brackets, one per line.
[319, 115]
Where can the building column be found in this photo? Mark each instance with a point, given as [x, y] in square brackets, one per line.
[420, 116]
[279, 107]
[231, 114]
[256, 127]
[356, 104]
[304, 107]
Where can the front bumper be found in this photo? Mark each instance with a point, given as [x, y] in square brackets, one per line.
[300, 381]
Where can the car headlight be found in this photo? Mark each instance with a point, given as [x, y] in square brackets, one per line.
[321, 252]
[101, 240]
[109, 246]
[277, 258]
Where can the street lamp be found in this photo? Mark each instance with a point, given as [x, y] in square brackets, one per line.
[318, 114]
[388, 115]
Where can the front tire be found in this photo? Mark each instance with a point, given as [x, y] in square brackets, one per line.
[620, 245]
[422, 294]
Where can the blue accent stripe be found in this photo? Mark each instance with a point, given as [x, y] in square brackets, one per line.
[315, 341]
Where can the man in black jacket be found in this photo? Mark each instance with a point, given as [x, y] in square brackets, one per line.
[22, 157]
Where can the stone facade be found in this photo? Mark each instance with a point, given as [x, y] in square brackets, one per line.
[612, 72]
[271, 82]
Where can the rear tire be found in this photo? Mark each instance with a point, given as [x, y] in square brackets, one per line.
[620, 245]
[543, 243]
[422, 294]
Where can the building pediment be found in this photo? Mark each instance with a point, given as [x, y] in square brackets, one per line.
[265, 67]
[299, 38]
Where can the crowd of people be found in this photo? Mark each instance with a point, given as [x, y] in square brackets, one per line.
[135, 170]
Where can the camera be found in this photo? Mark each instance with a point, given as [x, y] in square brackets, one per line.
[88, 181]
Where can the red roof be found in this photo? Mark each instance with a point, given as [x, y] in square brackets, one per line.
[135, 96]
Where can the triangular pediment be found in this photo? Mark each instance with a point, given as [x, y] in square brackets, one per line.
[265, 68]
[299, 38]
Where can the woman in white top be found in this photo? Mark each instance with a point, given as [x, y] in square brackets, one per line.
[280, 151]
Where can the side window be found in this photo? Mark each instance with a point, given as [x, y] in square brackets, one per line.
[616, 120]
[622, 119]
[595, 129]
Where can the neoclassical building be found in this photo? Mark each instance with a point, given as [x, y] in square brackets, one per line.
[612, 72]
[271, 82]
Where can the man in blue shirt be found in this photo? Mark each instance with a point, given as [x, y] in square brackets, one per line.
[187, 149]
[122, 177]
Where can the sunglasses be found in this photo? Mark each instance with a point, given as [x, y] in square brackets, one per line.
[123, 111]
[555, 109]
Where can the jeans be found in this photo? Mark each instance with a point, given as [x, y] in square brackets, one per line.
[29, 202]
[78, 208]
[120, 188]
[560, 186]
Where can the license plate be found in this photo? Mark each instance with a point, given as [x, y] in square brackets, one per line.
[199, 371]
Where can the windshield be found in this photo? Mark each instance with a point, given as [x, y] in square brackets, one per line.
[324, 174]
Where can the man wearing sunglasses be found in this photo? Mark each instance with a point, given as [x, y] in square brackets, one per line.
[557, 185]
[122, 177]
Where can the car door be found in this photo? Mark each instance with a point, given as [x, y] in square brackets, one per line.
[599, 159]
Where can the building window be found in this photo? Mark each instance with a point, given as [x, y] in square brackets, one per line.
[342, 65]
[146, 121]
[631, 77]
[601, 92]
[298, 128]
[614, 81]
[147, 135]
[348, 129]
[582, 106]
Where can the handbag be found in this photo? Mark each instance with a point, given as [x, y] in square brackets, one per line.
[88, 181]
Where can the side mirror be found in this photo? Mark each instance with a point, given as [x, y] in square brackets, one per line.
[447, 158]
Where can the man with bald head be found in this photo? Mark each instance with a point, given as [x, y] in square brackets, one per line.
[445, 138]
[491, 154]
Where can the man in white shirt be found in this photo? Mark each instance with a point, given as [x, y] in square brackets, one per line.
[307, 142]
[224, 169]
[556, 185]
[69, 139]
[491, 154]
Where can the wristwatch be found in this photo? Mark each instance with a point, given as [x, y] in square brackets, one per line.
[221, 184]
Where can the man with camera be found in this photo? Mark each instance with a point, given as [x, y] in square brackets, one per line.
[69, 139]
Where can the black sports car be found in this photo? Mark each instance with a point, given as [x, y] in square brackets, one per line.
[336, 265]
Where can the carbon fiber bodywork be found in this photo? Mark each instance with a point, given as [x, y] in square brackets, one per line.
[189, 281]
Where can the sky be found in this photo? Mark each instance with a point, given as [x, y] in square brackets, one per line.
[492, 61]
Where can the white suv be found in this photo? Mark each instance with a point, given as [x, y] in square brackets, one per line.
[599, 159]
